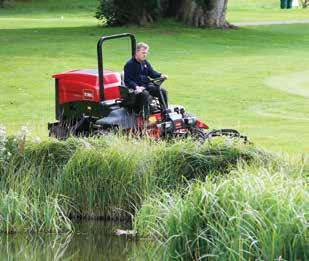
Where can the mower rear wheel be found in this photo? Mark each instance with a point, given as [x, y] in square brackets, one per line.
[59, 132]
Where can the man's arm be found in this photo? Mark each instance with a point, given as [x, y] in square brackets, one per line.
[151, 72]
[129, 76]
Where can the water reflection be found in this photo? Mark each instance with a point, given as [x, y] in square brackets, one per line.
[90, 241]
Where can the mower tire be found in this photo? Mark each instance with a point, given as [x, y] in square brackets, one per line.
[59, 132]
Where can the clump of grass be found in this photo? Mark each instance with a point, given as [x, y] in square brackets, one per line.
[185, 161]
[254, 213]
[4, 153]
[126, 171]
[20, 213]
[49, 154]
[110, 177]
[107, 182]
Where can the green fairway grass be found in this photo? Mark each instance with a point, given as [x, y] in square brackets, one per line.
[262, 10]
[255, 79]
[49, 8]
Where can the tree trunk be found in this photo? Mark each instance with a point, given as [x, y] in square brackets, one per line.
[145, 18]
[207, 13]
[170, 8]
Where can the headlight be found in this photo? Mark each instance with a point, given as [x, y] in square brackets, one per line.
[152, 120]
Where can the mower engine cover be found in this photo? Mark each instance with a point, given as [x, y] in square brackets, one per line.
[83, 85]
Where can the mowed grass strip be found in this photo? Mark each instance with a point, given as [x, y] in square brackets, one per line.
[263, 10]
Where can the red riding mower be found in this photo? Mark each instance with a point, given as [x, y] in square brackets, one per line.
[93, 102]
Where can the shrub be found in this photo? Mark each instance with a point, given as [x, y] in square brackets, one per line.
[120, 12]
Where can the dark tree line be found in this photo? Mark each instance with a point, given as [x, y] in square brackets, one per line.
[120, 12]
[198, 13]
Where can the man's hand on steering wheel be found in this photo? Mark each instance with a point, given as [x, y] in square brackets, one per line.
[160, 80]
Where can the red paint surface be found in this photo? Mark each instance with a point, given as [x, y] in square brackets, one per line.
[83, 85]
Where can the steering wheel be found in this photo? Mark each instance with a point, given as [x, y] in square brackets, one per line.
[158, 81]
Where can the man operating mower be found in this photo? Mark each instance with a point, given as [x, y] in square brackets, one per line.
[137, 74]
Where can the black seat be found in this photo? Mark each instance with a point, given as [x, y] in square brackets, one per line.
[128, 96]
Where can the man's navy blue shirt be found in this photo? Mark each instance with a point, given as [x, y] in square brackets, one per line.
[137, 73]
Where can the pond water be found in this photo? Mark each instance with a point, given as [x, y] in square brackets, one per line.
[89, 241]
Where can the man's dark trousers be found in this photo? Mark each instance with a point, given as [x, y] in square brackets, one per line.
[154, 90]
[142, 99]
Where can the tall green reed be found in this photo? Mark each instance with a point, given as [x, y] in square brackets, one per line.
[108, 182]
[20, 213]
[109, 177]
[254, 213]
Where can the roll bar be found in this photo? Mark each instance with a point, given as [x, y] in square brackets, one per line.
[100, 56]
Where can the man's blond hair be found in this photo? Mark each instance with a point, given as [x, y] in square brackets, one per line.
[142, 45]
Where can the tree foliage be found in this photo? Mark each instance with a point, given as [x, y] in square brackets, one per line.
[120, 12]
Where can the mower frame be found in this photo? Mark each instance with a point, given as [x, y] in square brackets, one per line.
[100, 55]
